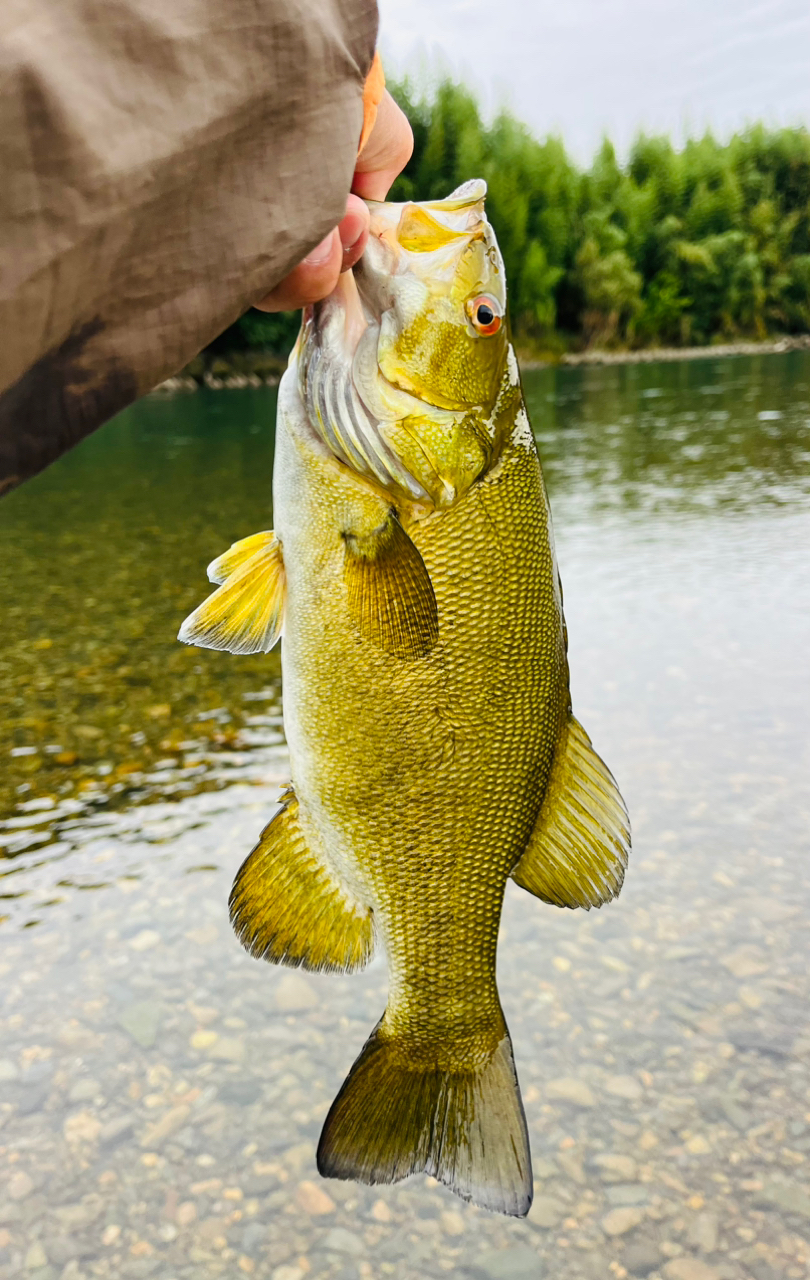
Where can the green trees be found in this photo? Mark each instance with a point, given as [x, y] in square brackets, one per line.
[675, 247]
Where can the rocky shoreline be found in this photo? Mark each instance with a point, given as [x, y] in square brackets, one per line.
[234, 381]
[242, 371]
[654, 355]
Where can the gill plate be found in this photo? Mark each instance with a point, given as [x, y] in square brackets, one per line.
[339, 415]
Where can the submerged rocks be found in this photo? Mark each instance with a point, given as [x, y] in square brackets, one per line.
[314, 1199]
[160, 1104]
[294, 994]
[641, 1257]
[20, 1185]
[546, 1212]
[619, 1221]
[689, 1269]
[570, 1089]
[516, 1263]
[788, 1196]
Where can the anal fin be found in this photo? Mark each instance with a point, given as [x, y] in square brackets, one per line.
[577, 854]
[286, 907]
[246, 613]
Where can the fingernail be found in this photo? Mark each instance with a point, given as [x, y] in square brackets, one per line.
[321, 253]
[351, 229]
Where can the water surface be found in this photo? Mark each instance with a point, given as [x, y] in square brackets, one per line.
[161, 1094]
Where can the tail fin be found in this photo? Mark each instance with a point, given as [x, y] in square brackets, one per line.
[466, 1128]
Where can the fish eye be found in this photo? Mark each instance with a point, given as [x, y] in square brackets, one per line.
[484, 313]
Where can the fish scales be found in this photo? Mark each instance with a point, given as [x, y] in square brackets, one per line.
[426, 696]
[476, 718]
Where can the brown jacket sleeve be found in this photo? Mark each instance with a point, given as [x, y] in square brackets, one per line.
[163, 164]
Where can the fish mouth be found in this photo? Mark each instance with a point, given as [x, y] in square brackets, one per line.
[347, 398]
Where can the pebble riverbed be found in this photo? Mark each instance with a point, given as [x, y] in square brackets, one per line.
[162, 1094]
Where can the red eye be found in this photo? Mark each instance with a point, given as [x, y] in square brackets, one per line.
[484, 313]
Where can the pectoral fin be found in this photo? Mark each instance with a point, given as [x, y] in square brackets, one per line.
[286, 907]
[390, 595]
[578, 851]
[246, 613]
[237, 556]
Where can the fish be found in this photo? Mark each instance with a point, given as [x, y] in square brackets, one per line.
[434, 753]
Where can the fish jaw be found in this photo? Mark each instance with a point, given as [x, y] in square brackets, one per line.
[395, 378]
[436, 258]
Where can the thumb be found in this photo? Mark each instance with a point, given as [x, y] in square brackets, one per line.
[387, 151]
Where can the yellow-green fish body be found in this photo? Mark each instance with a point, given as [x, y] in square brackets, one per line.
[426, 702]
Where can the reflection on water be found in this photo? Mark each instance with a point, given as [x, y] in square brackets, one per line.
[161, 1094]
[696, 436]
[105, 555]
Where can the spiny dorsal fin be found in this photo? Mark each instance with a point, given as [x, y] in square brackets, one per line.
[246, 613]
[391, 598]
[286, 907]
[578, 851]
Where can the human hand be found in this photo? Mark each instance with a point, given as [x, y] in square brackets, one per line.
[383, 157]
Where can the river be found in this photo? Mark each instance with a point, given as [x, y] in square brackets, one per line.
[161, 1093]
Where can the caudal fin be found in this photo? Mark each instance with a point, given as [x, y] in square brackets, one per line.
[466, 1128]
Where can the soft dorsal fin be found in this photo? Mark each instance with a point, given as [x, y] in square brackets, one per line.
[390, 595]
[287, 907]
[578, 851]
[246, 613]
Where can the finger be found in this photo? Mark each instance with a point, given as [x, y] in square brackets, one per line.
[311, 280]
[316, 277]
[386, 153]
[353, 231]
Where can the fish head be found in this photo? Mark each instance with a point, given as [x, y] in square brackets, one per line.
[401, 367]
[436, 275]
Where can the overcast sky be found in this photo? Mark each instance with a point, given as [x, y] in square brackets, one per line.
[583, 68]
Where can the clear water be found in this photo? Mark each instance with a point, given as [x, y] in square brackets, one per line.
[161, 1093]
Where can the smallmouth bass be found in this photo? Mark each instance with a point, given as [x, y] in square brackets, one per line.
[426, 694]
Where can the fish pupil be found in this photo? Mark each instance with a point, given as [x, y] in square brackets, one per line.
[485, 315]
